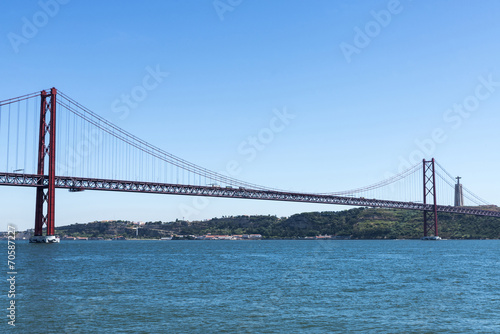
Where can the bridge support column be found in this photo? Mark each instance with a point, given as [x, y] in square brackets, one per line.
[45, 192]
[430, 214]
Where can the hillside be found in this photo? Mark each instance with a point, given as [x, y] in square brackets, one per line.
[359, 223]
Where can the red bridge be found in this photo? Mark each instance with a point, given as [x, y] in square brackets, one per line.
[94, 154]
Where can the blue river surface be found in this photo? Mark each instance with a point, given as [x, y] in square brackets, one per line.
[281, 286]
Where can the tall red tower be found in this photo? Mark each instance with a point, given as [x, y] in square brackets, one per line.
[45, 192]
[430, 215]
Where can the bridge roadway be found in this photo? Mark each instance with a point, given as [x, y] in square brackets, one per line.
[79, 183]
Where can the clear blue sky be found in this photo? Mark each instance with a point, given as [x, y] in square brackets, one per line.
[365, 81]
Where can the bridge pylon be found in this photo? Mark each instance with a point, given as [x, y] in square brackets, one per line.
[430, 213]
[45, 192]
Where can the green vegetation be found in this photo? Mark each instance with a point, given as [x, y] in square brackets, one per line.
[360, 223]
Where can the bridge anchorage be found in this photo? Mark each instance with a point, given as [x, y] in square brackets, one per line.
[94, 154]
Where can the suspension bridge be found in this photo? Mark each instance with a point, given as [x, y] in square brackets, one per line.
[49, 141]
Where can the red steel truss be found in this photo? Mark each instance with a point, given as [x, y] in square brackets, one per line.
[79, 183]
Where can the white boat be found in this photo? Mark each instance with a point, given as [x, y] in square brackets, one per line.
[44, 239]
[434, 237]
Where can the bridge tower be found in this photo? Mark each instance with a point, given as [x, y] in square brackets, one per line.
[45, 191]
[430, 215]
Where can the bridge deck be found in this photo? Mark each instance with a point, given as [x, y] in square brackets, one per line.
[33, 180]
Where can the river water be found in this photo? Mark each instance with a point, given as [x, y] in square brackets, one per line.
[341, 286]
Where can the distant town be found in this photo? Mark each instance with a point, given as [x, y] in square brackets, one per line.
[179, 237]
[27, 234]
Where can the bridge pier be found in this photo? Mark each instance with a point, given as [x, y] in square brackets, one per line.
[45, 192]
